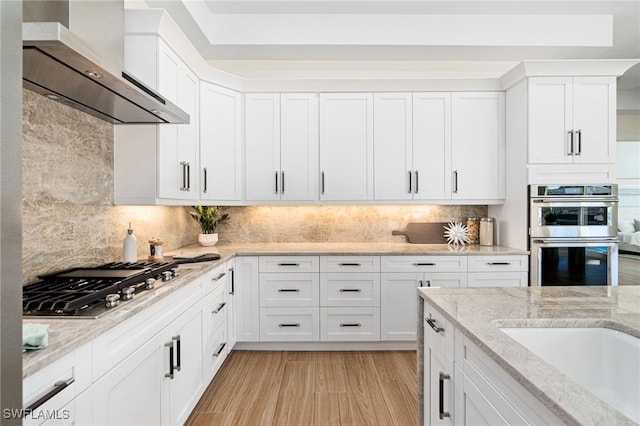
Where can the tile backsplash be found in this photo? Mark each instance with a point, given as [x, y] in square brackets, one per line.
[69, 218]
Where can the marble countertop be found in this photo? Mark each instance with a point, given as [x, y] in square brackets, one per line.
[67, 334]
[478, 312]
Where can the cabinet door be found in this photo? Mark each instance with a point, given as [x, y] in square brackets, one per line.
[220, 143]
[181, 393]
[478, 145]
[594, 107]
[440, 387]
[346, 146]
[130, 394]
[232, 336]
[398, 305]
[550, 120]
[247, 306]
[262, 146]
[177, 143]
[392, 146]
[444, 279]
[432, 145]
[298, 146]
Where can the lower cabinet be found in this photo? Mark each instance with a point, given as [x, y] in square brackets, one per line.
[462, 385]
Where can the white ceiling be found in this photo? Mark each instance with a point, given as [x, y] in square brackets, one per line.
[316, 39]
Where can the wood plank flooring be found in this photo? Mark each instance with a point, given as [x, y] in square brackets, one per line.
[312, 388]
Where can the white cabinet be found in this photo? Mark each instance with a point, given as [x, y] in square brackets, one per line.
[478, 145]
[216, 312]
[247, 303]
[221, 165]
[346, 146]
[160, 159]
[571, 120]
[498, 271]
[281, 146]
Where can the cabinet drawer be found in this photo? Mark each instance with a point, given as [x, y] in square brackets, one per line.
[289, 324]
[289, 264]
[350, 264]
[215, 310]
[500, 279]
[217, 278]
[423, 263]
[289, 289]
[498, 263]
[350, 324]
[438, 331]
[350, 289]
[215, 352]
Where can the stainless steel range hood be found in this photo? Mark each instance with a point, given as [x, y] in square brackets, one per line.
[60, 65]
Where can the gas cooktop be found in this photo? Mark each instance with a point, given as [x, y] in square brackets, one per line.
[92, 292]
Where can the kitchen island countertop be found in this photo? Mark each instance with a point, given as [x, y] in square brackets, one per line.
[65, 335]
[479, 312]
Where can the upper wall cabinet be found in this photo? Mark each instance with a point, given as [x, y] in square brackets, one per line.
[477, 145]
[157, 164]
[220, 144]
[572, 120]
[346, 146]
[281, 143]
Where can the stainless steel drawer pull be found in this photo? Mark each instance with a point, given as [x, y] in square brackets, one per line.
[57, 388]
[288, 290]
[288, 264]
[220, 349]
[434, 326]
[170, 346]
[579, 151]
[424, 264]
[441, 413]
[219, 308]
[178, 351]
[322, 182]
[417, 179]
[233, 281]
[350, 290]
[570, 148]
[289, 324]
[410, 185]
[219, 276]
[455, 181]
[350, 324]
[282, 182]
[205, 180]
[498, 263]
[350, 264]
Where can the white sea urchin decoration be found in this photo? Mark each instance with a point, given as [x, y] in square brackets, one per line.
[456, 233]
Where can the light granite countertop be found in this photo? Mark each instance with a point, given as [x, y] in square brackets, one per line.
[65, 335]
[478, 312]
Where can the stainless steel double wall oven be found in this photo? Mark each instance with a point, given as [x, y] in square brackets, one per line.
[573, 234]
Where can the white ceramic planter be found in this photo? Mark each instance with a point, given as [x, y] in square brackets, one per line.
[208, 240]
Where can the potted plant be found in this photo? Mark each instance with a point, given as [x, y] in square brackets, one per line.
[208, 217]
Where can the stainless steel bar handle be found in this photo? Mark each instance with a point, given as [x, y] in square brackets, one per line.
[276, 186]
[563, 241]
[322, 182]
[285, 324]
[220, 348]
[434, 326]
[579, 132]
[288, 290]
[417, 180]
[205, 180]
[350, 264]
[188, 176]
[570, 142]
[170, 346]
[498, 263]
[350, 324]
[57, 388]
[288, 264]
[219, 308]
[410, 185]
[183, 164]
[350, 290]
[455, 181]
[424, 264]
[282, 182]
[441, 413]
[219, 276]
[178, 351]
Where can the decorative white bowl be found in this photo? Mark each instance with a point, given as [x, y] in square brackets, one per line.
[208, 240]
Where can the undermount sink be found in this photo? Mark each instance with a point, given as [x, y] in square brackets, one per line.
[602, 360]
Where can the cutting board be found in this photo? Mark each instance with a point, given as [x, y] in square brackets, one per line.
[424, 233]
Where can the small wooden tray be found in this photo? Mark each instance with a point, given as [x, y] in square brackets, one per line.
[424, 233]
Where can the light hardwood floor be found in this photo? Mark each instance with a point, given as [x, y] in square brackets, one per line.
[312, 388]
[629, 269]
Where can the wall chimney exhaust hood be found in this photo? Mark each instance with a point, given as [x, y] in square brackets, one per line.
[60, 65]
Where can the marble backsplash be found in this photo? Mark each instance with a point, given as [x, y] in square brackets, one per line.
[69, 218]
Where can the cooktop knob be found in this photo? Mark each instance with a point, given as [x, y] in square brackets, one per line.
[112, 300]
[127, 293]
[167, 275]
[175, 271]
[150, 283]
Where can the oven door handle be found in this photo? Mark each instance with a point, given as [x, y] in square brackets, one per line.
[578, 240]
[590, 200]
